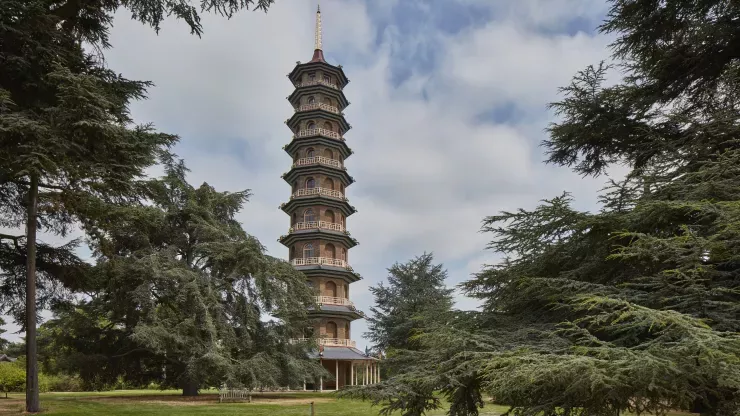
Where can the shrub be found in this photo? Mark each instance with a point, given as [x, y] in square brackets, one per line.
[12, 378]
[61, 383]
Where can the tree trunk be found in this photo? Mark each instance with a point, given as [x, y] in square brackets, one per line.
[189, 388]
[32, 376]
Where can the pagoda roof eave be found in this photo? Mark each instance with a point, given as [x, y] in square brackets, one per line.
[298, 116]
[313, 234]
[345, 275]
[323, 65]
[341, 145]
[338, 94]
[297, 171]
[312, 200]
[336, 312]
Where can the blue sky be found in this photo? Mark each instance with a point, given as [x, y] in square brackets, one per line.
[448, 110]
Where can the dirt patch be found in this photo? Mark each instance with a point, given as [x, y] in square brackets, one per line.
[11, 406]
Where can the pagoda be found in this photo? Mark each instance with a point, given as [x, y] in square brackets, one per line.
[318, 240]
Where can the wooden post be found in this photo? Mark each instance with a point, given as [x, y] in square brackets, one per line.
[312, 413]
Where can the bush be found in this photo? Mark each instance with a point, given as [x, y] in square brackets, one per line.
[60, 383]
[12, 378]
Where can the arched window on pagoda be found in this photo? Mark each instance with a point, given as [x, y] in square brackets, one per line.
[328, 154]
[308, 251]
[311, 99]
[346, 331]
[331, 329]
[310, 183]
[311, 125]
[329, 251]
[327, 79]
[329, 216]
[310, 152]
[330, 289]
[329, 183]
[309, 215]
[328, 126]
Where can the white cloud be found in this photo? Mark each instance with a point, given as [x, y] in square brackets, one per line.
[427, 168]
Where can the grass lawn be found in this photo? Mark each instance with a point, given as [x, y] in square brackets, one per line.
[171, 403]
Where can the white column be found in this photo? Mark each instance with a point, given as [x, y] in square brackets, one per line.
[367, 374]
[336, 375]
[321, 385]
[378, 366]
[352, 373]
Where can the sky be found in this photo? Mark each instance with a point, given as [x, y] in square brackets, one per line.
[448, 110]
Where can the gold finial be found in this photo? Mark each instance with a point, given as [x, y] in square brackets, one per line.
[318, 28]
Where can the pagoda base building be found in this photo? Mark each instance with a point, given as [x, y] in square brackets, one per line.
[318, 240]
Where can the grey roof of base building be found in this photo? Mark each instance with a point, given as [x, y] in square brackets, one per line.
[341, 353]
[5, 358]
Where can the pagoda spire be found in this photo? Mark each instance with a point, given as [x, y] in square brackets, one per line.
[318, 53]
[318, 28]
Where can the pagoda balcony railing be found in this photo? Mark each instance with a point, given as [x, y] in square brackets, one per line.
[321, 160]
[309, 261]
[318, 191]
[333, 300]
[313, 225]
[317, 82]
[318, 132]
[319, 106]
[336, 342]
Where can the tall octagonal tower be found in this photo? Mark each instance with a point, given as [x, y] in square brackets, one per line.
[318, 240]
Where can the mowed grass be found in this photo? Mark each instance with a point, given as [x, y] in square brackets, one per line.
[171, 403]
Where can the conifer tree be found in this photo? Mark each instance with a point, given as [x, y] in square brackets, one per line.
[180, 286]
[55, 101]
[65, 138]
[633, 308]
[415, 293]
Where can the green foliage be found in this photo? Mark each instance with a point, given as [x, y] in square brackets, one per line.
[179, 292]
[91, 20]
[12, 378]
[635, 308]
[61, 383]
[415, 294]
[66, 133]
